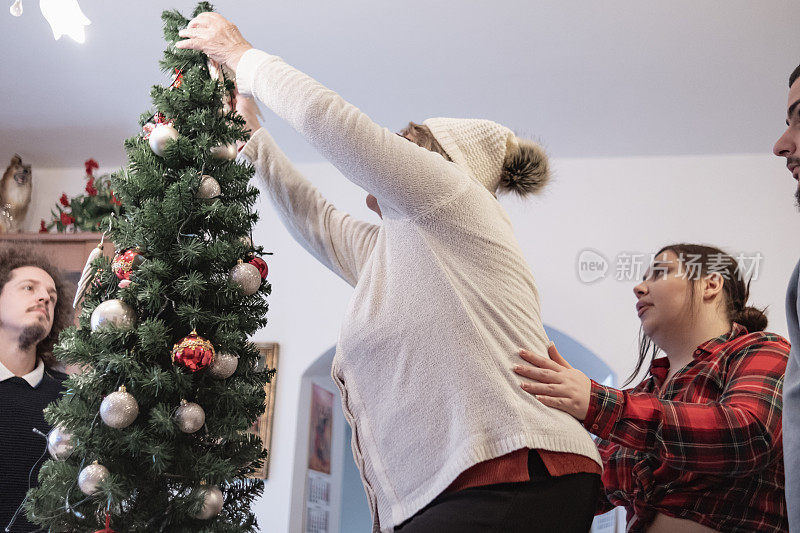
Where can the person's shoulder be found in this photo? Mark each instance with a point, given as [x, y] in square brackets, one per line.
[761, 341]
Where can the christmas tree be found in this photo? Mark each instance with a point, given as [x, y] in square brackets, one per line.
[152, 435]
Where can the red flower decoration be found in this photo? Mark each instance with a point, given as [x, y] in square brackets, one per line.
[114, 199]
[64, 200]
[66, 219]
[90, 165]
[90, 188]
[43, 227]
[261, 265]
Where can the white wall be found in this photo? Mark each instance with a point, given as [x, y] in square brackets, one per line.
[741, 202]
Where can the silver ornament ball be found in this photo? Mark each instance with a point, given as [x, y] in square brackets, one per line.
[225, 152]
[160, 137]
[59, 443]
[91, 476]
[114, 313]
[224, 366]
[190, 417]
[247, 277]
[209, 188]
[212, 503]
[119, 409]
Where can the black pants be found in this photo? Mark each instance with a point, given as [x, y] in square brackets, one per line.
[546, 504]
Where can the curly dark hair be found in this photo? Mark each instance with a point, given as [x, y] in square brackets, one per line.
[794, 75]
[15, 256]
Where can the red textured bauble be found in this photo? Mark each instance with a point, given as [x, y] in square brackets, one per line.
[125, 262]
[261, 265]
[193, 352]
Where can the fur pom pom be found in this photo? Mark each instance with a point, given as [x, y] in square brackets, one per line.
[527, 170]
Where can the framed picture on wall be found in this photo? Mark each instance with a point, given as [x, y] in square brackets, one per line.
[263, 425]
[321, 430]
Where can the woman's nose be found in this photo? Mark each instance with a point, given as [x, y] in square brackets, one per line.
[640, 290]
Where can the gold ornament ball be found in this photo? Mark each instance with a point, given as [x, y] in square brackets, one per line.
[247, 277]
[224, 366]
[113, 313]
[209, 188]
[212, 502]
[190, 417]
[160, 137]
[226, 152]
[119, 409]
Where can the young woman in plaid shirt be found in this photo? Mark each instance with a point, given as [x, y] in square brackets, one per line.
[697, 445]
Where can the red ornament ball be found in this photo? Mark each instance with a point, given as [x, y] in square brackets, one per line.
[125, 262]
[193, 352]
[261, 265]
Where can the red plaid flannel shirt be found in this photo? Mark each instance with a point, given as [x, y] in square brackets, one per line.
[707, 447]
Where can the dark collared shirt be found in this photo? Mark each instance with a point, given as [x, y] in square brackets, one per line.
[22, 450]
[707, 446]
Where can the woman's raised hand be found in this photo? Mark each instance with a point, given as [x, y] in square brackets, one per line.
[555, 383]
[215, 36]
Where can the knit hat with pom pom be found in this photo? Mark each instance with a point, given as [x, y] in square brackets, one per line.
[492, 154]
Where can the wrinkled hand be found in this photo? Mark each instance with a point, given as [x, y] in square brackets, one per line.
[555, 383]
[215, 36]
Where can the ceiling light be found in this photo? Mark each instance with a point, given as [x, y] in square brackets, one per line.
[65, 17]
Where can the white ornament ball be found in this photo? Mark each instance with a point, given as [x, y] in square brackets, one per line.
[119, 409]
[209, 188]
[114, 313]
[223, 366]
[190, 417]
[59, 443]
[91, 476]
[224, 151]
[212, 503]
[160, 137]
[247, 277]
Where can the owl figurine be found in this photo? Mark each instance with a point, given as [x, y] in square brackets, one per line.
[15, 195]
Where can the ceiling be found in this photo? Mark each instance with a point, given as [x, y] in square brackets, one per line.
[586, 78]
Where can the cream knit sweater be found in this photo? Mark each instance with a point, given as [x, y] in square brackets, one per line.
[443, 299]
